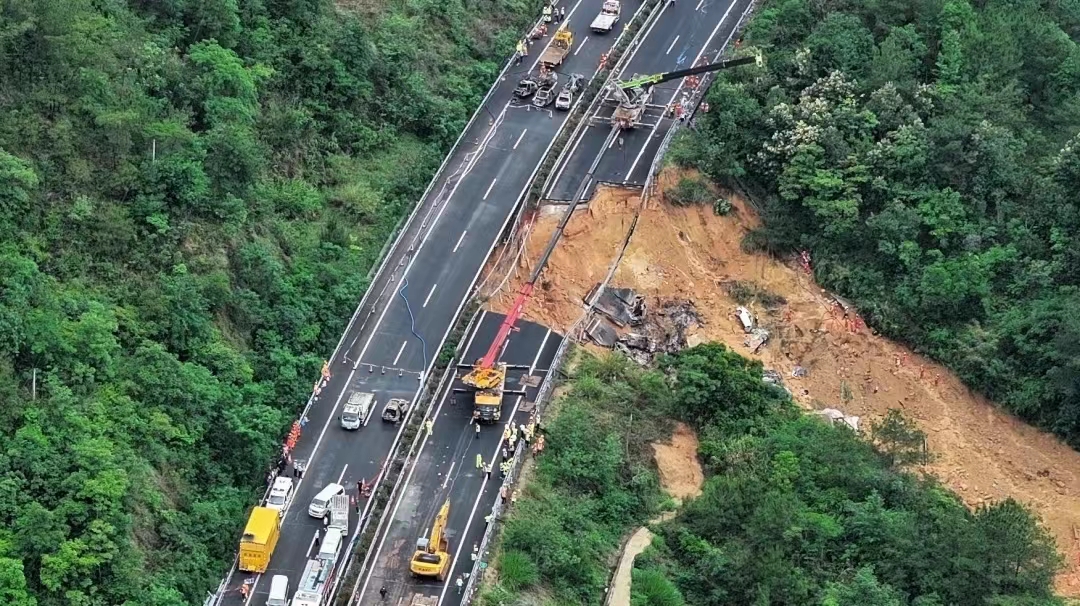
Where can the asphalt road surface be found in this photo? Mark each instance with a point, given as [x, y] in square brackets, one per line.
[445, 468]
[684, 31]
[399, 331]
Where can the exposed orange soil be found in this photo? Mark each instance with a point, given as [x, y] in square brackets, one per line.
[680, 471]
[689, 253]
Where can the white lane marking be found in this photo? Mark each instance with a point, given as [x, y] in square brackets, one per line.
[479, 323]
[520, 138]
[614, 140]
[310, 546]
[645, 36]
[672, 44]
[408, 478]
[698, 7]
[459, 240]
[539, 351]
[431, 230]
[480, 494]
[489, 188]
[652, 131]
[449, 472]
[505, 344]
[581, 45]
[567, 159]
[428, 298]
[342, 476]
[552, 39]
[398, 356]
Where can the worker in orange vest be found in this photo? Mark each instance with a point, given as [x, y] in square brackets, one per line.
[603, 60]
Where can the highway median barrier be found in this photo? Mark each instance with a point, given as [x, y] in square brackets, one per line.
[592, 96]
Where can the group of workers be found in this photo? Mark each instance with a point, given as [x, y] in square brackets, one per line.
[558, 15]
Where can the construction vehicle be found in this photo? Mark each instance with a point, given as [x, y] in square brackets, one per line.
[356, 410]
[259, 539]
[566, 95]
[559, 48]
[432, 557]
[608, 17]
[395, 410]
[633, 95]
[309, 592]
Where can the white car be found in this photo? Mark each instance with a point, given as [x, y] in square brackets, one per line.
[280, 495]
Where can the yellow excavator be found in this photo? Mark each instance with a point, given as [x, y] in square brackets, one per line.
[432, 557]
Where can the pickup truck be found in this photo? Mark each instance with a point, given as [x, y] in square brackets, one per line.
[559, 48]
[608, 17]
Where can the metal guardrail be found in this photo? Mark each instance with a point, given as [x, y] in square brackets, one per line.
[379, 267]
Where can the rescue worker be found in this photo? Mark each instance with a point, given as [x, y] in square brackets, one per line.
[460, 584]
[382, 592]
[547, 13]
[316, 541]
[487, 471]
[479, 461]
[504, 468]
[562, 14]
[245, 589]
[522, 51]
[477, 430]
[430, 426]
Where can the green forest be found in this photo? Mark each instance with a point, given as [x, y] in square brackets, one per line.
[192, 193]
[927, 154]
[794, 511]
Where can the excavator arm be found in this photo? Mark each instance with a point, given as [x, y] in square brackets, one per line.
[437, 541]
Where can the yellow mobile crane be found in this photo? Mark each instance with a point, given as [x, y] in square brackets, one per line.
[432, 557]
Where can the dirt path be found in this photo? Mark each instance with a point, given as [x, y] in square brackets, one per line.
[982, 453]
[620, 586]
[681, 477]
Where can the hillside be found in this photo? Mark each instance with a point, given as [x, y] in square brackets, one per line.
[926, 155]
[191, 195]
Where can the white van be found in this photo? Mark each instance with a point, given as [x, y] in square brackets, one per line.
[320, 505]
[331, 544]
[280, 495]
[279, 591]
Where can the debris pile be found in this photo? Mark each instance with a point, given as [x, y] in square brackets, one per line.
[622, 305]
[836, 417]
[665, 329]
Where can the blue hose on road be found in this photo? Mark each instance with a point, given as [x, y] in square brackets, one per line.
[412, 320]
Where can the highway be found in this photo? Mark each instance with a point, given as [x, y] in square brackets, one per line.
[445, 468]
[401, 325]
[676, 39]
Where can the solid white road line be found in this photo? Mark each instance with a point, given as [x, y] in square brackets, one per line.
[672, 45]
[675, 97]
[479, 322]
[489, 188]
[431, 230]
[505, 344]
[428, 298]
[494, 456]
[518, 142]
[581, 45]
[459, 240]
[408, 479]
[342, 476]
[449, 473]
[539, 351]
[398, 356]
[698, 7]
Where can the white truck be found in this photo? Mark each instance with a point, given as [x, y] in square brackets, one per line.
[339, 513]
[608, 17]
[356, 410]
[312, 584]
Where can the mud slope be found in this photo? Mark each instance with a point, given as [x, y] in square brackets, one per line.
[982, 453]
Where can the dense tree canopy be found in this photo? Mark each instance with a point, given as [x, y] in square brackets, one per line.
[794, 511]
[927, 153]
[191, 193]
